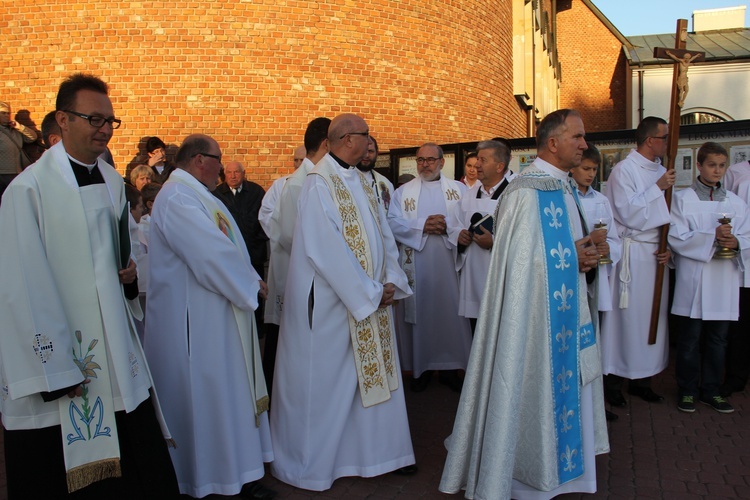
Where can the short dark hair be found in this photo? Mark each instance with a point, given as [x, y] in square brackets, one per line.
[499, 150]
[191, 147]
[49, 127]
[551, 124]
[150, 191]
[132, 195]
[710, 148]
[647, 128]
[69, 88]
[316, 133]
[154, 143]
[375, 143]
[592, 154]
[469, 157]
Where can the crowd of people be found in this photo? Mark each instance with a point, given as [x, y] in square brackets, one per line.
[529, 293]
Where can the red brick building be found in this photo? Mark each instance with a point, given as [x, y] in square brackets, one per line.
[252, 73]
[594, 72]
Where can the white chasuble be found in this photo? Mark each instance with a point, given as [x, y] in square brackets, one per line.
[320, 428]
[535, 350]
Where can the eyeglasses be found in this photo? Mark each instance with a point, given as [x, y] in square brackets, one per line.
[215, 157]
[662, 137]
[97, 121]
[365, 134]
[429, 160]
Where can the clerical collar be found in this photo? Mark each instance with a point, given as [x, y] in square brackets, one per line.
[340, 161]
[89, 166]
[550, 169]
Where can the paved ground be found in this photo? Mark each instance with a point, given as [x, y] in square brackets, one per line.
[657, 452]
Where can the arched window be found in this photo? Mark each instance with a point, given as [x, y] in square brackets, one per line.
[694, 117]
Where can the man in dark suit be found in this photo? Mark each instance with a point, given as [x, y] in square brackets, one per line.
[243, 199]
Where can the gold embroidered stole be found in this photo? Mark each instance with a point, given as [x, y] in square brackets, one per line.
[372, 338]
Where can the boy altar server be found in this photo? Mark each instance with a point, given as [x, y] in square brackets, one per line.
[708, 285]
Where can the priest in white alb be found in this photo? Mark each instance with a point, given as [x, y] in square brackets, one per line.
[76, 397]
[201, 335]
[338, 406]
[432, 335]
[491, 164]
[280, 231]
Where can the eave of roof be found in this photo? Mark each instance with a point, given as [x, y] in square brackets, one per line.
[719, 46]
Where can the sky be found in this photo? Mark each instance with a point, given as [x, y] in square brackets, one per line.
[650, 17]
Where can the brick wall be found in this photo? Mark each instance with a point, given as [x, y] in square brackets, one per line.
[253, 73]
[593, 68]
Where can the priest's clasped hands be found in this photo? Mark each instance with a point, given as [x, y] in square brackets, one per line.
[588, 254]
[435, 224]
[389, 289]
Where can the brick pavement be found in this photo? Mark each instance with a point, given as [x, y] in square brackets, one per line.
[657, 452]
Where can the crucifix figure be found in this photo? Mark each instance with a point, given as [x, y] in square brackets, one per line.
[682, 78]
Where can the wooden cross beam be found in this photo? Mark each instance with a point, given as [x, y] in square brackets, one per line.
[682, 59]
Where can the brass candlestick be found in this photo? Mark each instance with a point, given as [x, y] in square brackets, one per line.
[603, 259]
[724, 252]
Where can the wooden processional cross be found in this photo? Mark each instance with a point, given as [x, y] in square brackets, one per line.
[682, 59]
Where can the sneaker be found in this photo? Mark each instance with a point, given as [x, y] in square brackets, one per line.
[718, 403]
[686, 404]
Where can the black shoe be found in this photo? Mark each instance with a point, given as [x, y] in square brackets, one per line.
[611, 417]
[420, 384]
[646, 394]
[450, 378]
[615, 398]
[257, 491]
[409, 470]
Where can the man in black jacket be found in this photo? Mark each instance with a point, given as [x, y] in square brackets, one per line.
[243, 199]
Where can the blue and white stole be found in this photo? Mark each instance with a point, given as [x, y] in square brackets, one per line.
[566, 337]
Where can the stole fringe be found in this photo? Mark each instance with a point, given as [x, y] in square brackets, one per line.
[261, 405]
[84, 475]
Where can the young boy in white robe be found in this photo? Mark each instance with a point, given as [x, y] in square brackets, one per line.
[599, 218]
[708, 261]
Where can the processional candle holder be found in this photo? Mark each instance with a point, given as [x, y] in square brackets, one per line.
[724, 252]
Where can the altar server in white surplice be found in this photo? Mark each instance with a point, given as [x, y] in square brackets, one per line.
[709, 258]
[432, 336]
[635, 189]
[491, 164]
[598, 211]
[530, 421]
[76, 394]
[201, 334]
[338, 407]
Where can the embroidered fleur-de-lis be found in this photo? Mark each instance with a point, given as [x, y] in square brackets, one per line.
[452, 194]
[563, 295]
[562, 337]
[410, 204]
[561, 253]
[562, 378]
[568, 457]
[564, 417]
[554, 212]
[586, 335]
